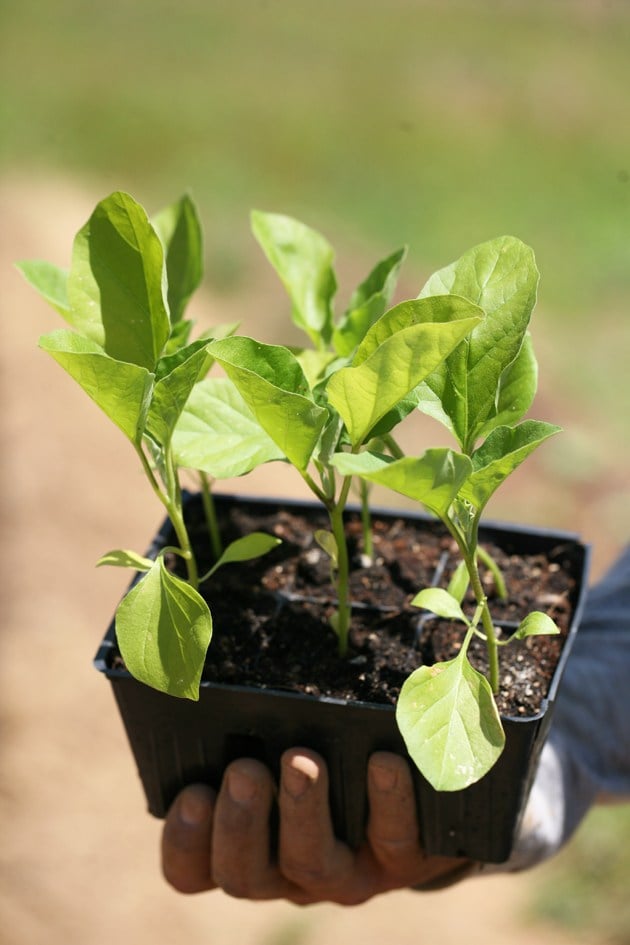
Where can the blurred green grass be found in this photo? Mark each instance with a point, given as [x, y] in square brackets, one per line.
[585, 890]
[437, 124]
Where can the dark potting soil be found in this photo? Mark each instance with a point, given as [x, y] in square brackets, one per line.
[271, 616]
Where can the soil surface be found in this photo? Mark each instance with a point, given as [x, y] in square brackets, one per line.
[258, 605]
[79, 859]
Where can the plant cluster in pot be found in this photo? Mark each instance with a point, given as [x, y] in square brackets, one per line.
[253, 625]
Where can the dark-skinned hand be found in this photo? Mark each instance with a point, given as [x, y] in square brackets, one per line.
[222, 840]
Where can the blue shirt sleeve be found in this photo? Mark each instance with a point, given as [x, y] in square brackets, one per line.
[587, 756]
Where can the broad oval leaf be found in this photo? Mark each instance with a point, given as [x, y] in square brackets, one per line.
[501, 277]
[273, 385]
[517, 389]
[433, 479]
[303, 259]
[163, 628]
[438, 310]
[117, 283]
[458, 584]
[179, 229]
[536, 624]
[365, 393]
[368, 303]
[171, 393]
[326, 541]
[50, 281]
[121, 390]
[450, 724]
[499, 455]
[120, 558]
[250, 546]
[218, 434]
[440, 602]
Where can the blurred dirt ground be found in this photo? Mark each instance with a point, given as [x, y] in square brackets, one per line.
[79, 855]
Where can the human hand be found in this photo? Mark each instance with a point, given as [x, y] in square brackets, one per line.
[223, 841]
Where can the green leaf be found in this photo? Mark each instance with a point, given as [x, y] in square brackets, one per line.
[441, 603]
[326, 541]
[50, 281]
[368, 303]
[125, 559]
[121, 390]
[501, 277]
[396, 354]
[458, 584]
[244, 549]
[179, 229]
[303, 260]
[273, 385]
[163, 628]
[397, 414]
[315, 364]
[380, 281]
[517, 389]
[218, 434]
[430, 312]
[178, 339]
[171, 393]
[433, 479]
[534, 625]
[450, 724]
[117, 283]
[499, 455]
[168, 362]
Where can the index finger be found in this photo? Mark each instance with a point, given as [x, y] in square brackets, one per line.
[186, 840]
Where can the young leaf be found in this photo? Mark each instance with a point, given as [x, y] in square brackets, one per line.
[438, 310]
[501, 277]
[517, 389]
[171, 393]
[450, 724]
[218, 434]
[303, 260]
[441, 603]
[117, 285]
[380, 281]
[458, 584]
[168, 362]
[433, 479]
[364, 393]
[179, 229]
[315, 364]
[535, 624]
[272, 384]
[50, 281]
[178, 339]
[121, 390]
[326, 541]
[368, 303]
[499, 455]
[244, 549]
[125, 559]
[163, 628]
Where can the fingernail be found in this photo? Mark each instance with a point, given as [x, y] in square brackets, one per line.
[299, 776]
[193, 808]
[384, 779]
[241, 788]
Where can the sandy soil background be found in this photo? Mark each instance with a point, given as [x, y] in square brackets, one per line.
[79, 855]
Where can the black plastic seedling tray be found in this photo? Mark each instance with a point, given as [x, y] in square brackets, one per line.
[177, 742]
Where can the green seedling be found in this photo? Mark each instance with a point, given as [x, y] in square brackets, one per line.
[460, 352]
[129, 348]
[347, 387]
[481, 391]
